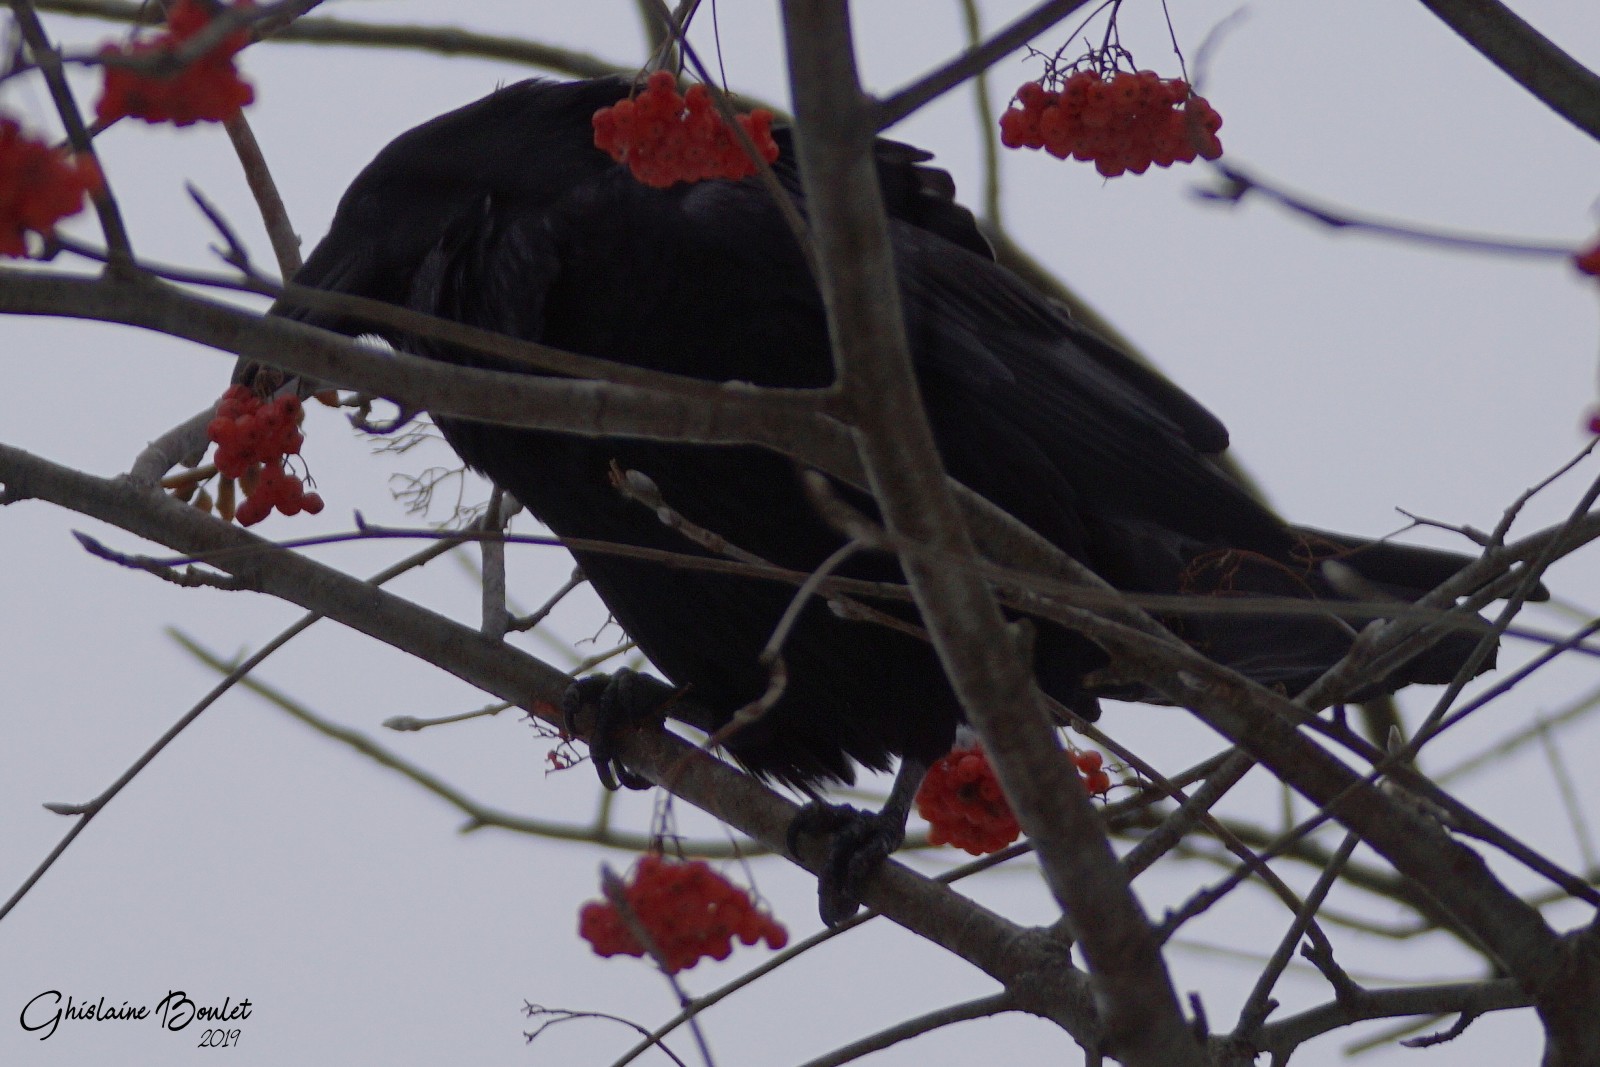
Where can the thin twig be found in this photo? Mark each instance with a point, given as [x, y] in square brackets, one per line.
[617, 896]
[1511, 743]
[942, 79]
[821, 937]
[781, 200]
[495, 617]
[190, 577]
[479, 816]
[1282, 1037]
[1259, 1004]
[987, 120]
[235, 674]
[981, 1008]
[274, 216]
[562, 1015]
[1239, 185]
[542, 612]
[1568, 790]
[324, 30]
[411, 724]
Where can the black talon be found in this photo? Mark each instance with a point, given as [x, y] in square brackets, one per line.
[862, 840]
[620, 701]
[818, 817]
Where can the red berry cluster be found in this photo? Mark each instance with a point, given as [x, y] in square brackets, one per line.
[962, 802]
[964, 806]
[39, 186]
[665, 138]
[253, 437]
[1123, 122]
[208, 89]
[690, 911]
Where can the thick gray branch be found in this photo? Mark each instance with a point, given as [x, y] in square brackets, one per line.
[1023, 960]
[1532, 60]
[681, 411]
[834, 134]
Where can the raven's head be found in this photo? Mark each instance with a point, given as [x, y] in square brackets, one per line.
[525, 143]
[522, 144]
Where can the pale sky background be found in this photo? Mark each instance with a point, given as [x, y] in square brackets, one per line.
[257, 859]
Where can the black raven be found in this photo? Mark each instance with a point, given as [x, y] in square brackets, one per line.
[504, 215]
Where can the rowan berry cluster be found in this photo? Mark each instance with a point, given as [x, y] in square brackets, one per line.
[964, 806]
[253, 437]
[208, 89]
[689, 910]
[1122, 122]
[665, 138]
[39, 187]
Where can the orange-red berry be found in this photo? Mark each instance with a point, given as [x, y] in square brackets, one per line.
[690, 912]
[962, 801]
[253, 438]
[39, 186]
[1124, 122]
[208, 89]
[665, 138]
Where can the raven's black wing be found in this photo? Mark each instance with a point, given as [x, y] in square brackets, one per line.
[504, 216]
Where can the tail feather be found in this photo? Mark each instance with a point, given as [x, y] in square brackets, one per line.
[1290, 650]
[1406, 571]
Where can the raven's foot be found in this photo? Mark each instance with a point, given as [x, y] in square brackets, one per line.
[862, 840]
[621, 701]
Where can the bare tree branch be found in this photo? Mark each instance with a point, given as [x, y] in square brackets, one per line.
[907, 1029]
[940, 81]
[725, 413]
[442, 40]
[274, 216]
[1031, 963]
[1532, 60]
[834, 131]
[1281, 1038]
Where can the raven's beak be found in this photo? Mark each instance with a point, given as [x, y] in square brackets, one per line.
[331, 268]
